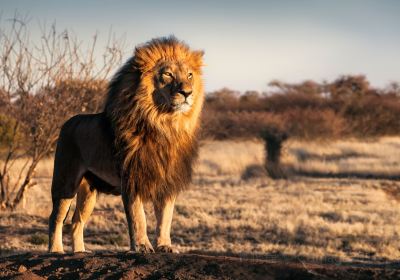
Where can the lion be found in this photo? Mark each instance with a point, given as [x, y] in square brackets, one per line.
[142, 146]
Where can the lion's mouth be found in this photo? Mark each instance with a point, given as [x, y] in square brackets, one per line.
[182, 107]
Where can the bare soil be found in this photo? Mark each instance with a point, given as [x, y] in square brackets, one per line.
[122, 265]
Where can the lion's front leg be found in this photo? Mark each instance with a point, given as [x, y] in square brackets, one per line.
[164, 211]
[137, 226]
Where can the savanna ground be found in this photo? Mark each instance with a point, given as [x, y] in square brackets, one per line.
[339, 206]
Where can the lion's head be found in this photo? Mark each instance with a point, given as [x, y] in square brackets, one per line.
[171, 75]
[174, 86]
[162, 80]
[154, 103]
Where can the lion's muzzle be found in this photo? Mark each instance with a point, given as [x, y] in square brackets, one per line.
[185, 93]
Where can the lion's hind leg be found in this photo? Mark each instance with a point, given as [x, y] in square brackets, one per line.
[62, 194]
[85, 202]
[56, 221]
[67, 175]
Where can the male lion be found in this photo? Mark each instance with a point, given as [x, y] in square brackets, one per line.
[141, 146]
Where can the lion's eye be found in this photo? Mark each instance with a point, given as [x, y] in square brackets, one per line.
[190, 76]
[168, 74]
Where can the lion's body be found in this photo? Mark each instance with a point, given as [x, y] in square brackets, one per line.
[80, 154]
[142, 146]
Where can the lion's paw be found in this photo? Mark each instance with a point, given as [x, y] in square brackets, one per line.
[166, 249]
[144, 248]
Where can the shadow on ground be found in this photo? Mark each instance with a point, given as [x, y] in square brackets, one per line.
[347, 175]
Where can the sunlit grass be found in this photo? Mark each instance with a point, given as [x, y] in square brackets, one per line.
[346, 219]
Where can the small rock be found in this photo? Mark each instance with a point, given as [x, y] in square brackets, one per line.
[22, 268]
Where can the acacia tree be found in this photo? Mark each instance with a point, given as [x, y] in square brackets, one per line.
[42, 84]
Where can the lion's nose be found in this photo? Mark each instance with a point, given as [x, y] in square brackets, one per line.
[185, 93]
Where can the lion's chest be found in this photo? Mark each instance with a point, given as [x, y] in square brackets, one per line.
[160, 161]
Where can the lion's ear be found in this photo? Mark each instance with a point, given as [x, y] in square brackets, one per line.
[197, 59]
[199, 53]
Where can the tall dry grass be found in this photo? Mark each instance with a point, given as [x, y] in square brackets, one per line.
[346, 219]
[378, 157]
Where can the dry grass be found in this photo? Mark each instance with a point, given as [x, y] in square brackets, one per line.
[380, 157]
[345, 219]
[228, 157]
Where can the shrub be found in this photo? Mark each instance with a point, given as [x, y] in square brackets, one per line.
[314, 123]
[348, 106]
[38, 239]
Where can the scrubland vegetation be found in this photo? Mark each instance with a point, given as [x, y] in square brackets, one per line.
[345, 107]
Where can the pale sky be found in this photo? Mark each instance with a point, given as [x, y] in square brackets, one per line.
[246, 43]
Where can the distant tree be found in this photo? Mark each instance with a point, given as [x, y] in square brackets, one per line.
[250, 96]
[306, 87]
[349, 86]
[393, 89]
[281, 87]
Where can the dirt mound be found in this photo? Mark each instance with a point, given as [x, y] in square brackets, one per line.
[121, 265]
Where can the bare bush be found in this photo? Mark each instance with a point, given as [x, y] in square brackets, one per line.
[42, 84]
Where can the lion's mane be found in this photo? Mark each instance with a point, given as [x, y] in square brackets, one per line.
[155, 148]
